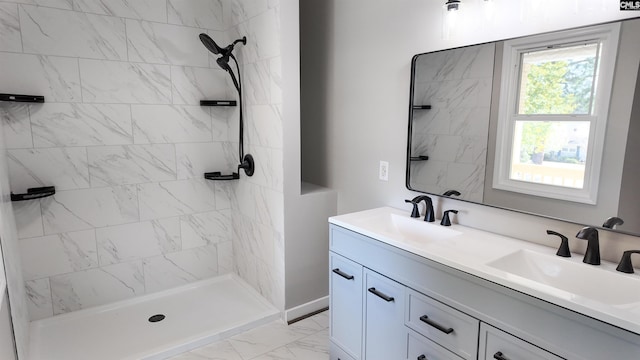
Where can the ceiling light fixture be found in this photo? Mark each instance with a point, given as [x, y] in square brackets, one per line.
[452, 5]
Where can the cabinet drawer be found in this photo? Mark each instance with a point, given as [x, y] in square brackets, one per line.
[345, 283]
[442, 324]
[498, 345]
[384, 325]
[336, 353]
[421, 348]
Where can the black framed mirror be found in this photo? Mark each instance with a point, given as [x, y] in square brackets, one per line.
[466, 140]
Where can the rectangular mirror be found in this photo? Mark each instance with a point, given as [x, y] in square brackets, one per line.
[545, 124]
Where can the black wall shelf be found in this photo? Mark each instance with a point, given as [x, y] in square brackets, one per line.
[218, 103]
[34, 193]
[22, 98]
[217, 176]
[419, 158]
[421, 107]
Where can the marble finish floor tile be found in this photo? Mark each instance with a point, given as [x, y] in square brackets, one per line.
[307, 339]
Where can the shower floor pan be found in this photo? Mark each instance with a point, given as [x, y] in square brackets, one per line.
[195, 315]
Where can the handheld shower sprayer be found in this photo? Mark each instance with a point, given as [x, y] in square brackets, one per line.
[246, 161]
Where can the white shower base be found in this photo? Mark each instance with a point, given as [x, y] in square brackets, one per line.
[196, 314]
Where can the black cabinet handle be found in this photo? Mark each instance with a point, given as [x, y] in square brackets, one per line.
[499, 356]
[384, 297]
[344, 275]
[421, 357]
[425, 319]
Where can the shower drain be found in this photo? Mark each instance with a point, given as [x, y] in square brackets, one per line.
[156, 318]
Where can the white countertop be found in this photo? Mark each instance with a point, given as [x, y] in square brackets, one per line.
[473, 251]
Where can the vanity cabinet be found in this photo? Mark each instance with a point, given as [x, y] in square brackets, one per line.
[399, 305]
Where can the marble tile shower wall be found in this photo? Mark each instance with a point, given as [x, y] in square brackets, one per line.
[258, 204]
[454, 132]
[124, 141]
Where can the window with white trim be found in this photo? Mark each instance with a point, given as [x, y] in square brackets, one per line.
[554, 102]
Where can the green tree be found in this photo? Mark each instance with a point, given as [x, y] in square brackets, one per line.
[545, 89]
[544, 93]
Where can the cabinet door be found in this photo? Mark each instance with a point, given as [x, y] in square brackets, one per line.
[384, 318]
[346, 304]
[498, 345]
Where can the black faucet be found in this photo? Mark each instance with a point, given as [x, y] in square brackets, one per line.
[563, 250]
[428, 212]
[592, 255]
[451, 193]
[625, 264]
[612, 221]
[415, 212]
[446, 221]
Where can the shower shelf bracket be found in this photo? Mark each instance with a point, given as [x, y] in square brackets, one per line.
[419, 158]
[34, 193]
[218, 103]
[217, 175]
[22, 98]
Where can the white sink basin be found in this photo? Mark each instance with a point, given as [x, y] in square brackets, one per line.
[571, 278]
[417, 228]
[405, 228]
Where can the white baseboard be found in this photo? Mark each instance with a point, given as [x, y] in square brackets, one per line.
[306, 309]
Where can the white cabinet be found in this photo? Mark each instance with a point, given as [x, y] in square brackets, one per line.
[346, 305]
[390, 304]
[384, 319]
[498, 345]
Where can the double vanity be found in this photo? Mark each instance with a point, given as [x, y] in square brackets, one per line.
[403, 288]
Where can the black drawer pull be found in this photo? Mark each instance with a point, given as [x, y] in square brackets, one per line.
[425, 319]
[344, 275]
[421, 357]
[499, 356]
[381, 295]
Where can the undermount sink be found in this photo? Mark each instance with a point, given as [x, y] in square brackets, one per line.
[571, 278]
[421, 230]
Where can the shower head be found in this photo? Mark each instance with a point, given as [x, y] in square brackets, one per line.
[211, 45]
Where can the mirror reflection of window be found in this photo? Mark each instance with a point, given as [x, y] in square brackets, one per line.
[554, 121]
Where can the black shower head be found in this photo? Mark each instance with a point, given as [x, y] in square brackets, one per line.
[214, 48]
[211, 45]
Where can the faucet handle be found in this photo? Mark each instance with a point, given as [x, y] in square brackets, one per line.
[445, 218]
[563, 250]
[415, 212]
[625, 264]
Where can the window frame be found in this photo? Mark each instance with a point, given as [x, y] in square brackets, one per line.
[608, 35]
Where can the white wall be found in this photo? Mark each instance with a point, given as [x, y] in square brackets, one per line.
[258, 201]
[7, 347]
[17, 296]
[369, 55]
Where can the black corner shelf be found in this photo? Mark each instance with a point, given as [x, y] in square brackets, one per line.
[419, 158]
[34, 193]
[421, 107]
[218, 103]
[22, 98]
[217, 176]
